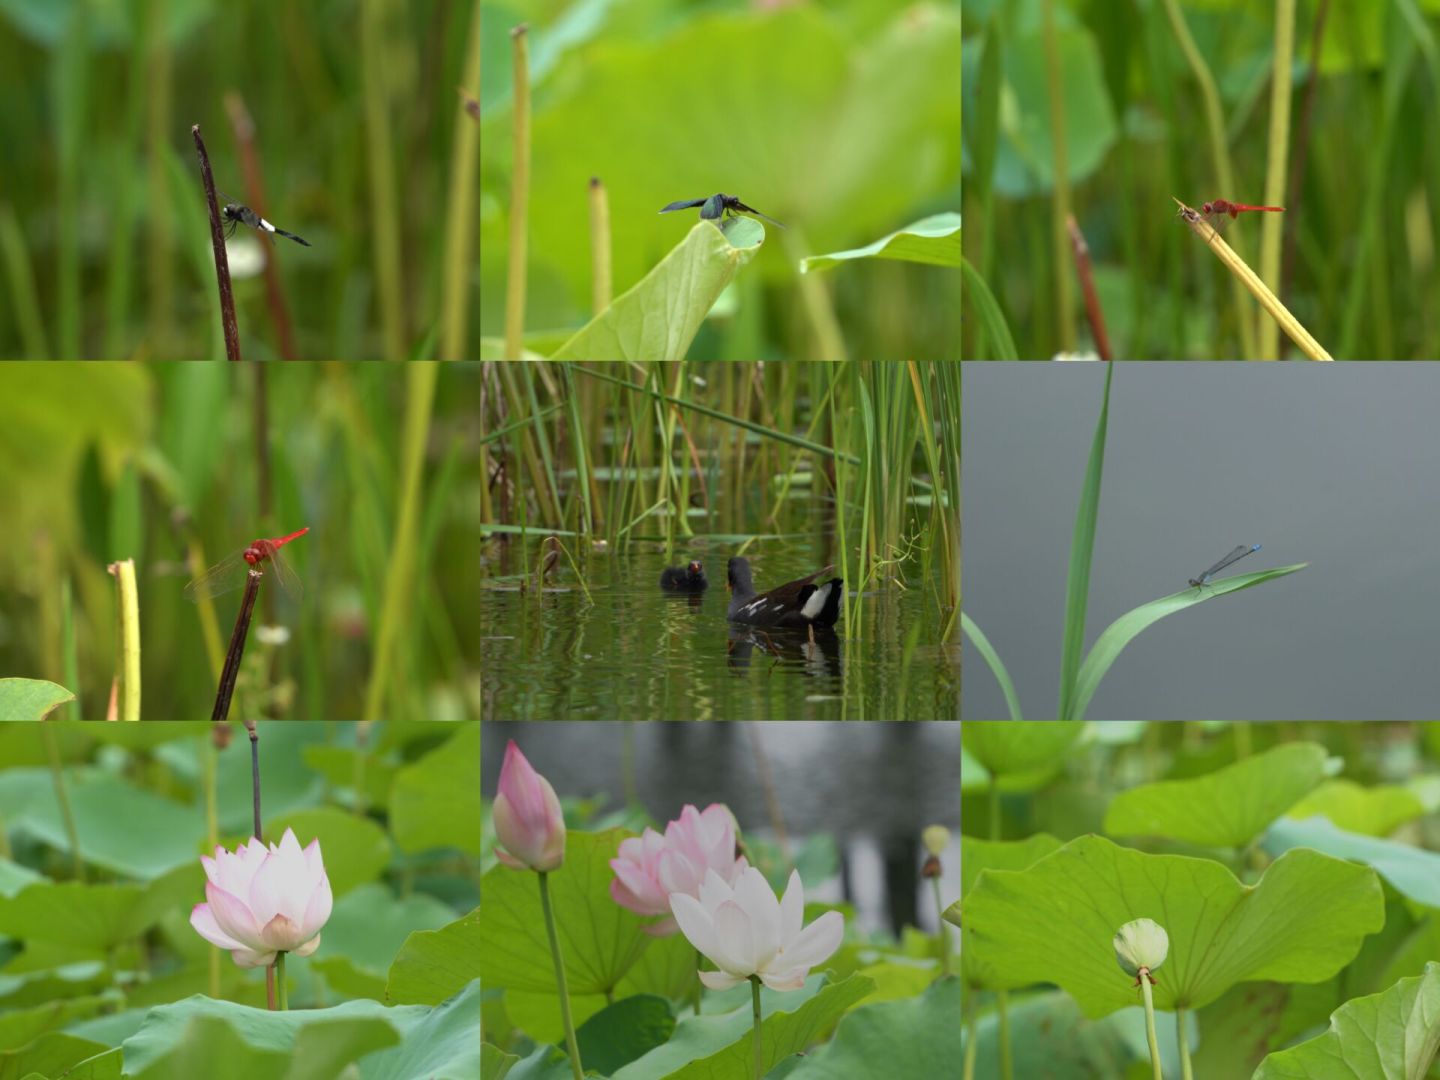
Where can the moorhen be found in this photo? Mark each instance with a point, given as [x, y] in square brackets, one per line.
[689, 579]
[797, 604]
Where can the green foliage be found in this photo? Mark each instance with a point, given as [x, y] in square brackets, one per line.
[1227, 807]
[1394, 1033]
[1053, 922]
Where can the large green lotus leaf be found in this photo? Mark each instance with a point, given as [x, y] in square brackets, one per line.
[660, 315]
[367, 928]
[495, 1064]
[622, 1032]
[934, 240]
[1410, 870]
[62, 1054]
[433, 964]
[96, 916]
[1373, 811]
[1054, 922]
[122, 828]
[1022, 754]
[718, 1046]
[1395, 1033]
[978, 855]
[918, 1036]
[1240, 1027]
[20, 1027]
[1226, 808]
[14, 877]
[666, 969]
[337, 765]
[435, 802]
[355, 849]
[443, 1044]
[208, 1046]
[599, 939]
[1050, 1037]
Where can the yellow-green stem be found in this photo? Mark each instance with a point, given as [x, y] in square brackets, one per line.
[1184, 1043]
[560, 985]
[755, 1013]
[280, 980]
[1150, 1024]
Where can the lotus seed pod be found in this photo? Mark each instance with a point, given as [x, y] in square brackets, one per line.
[935, 838]
[1141, 944]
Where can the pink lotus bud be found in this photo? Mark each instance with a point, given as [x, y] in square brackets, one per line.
[745, 931]
[651, 867]
[261, 900]
[528, 819]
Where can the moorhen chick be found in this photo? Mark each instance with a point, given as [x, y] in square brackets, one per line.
[689, 579]
[795, 604]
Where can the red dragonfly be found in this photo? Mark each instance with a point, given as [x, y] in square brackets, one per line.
[1215, 212]
[231, 571]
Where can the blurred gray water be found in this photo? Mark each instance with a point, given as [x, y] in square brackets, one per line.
[1331, 464]
[873, 787]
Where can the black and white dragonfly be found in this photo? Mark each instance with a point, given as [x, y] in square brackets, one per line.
[716, 206]
[237, 214]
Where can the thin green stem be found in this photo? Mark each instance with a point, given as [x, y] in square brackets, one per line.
[699, 959]
[575, 1067]
[62, 799]
[280, 980]
[972, 1035]
[944, 929]
[1150, 1024]
[1002, 997]
[1184, 1042]
[755, 1013]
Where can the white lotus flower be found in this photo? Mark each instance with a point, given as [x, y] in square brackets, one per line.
[261, 900]
[746, 931]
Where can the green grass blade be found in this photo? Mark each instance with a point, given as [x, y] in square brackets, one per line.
[1082, 550]
[997, 667]
[1124, 629]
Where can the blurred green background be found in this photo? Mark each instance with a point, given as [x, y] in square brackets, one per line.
[1346, 149]
[161, 463]
[361, 142]
[841, 120]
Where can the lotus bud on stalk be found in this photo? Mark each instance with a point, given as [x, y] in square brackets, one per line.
[1140, 948]
[528, 819]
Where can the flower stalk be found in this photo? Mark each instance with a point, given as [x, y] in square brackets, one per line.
[755, 1013]
[574, 1047]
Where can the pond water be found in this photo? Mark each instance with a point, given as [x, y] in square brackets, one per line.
[633, 652]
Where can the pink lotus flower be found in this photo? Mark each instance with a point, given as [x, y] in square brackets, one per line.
[528, 820]
[650, 867]
[261, 900]
[745, 931]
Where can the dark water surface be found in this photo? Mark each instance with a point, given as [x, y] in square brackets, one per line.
[637, 653]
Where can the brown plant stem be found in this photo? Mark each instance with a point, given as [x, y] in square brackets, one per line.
[244, 128]
[231, 670]
[217, 241]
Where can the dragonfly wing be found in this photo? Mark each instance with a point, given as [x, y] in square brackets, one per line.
[289, 583]
[751, 210]
[683, 204]
[227, 574]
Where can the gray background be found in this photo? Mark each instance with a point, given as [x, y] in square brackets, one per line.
[1328, 464]
[873, 787]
